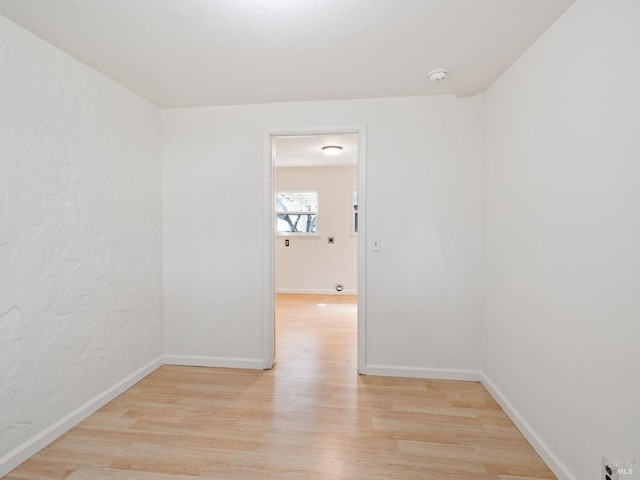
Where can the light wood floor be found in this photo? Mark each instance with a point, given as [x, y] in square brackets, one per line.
[310, 417]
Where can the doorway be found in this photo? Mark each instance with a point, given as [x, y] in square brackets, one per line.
[293, 225]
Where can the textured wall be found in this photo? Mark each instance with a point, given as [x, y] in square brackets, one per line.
[80, 240]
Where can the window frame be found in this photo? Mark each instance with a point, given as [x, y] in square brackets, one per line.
[353, 213]
[278, 212]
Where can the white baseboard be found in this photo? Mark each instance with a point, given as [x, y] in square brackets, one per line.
[41, 440]
[559, 469]
[44, 438]
[316, 292]
[415, 372]
[221, 362]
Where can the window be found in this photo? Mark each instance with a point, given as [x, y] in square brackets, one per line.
[354, 212]
[296, 213]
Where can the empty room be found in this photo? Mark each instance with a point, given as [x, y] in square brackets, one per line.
[192, 286]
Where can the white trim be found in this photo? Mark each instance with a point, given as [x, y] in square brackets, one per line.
[268, 343]
[362, 250]
[558, 468]
[430, 373]
[268, 267]
[298, 235]
[316, 292]
[219, 362]
[54, 431]
[23, 452]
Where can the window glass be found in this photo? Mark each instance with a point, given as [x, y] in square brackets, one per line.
[296, 212]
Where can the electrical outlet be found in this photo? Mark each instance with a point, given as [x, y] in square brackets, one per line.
[609, 470]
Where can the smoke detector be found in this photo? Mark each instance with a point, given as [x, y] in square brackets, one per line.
[438, 75]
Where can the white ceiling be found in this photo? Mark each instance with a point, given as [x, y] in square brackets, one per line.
[306, 150]
[182, 53]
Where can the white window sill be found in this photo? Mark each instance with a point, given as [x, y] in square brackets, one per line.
[297, 235]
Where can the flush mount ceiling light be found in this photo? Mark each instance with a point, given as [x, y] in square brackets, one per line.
[438, 75]
[331, 150]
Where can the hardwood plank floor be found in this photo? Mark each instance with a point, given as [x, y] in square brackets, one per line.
[310, 417]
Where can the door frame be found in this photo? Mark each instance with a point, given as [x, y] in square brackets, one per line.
[268, 344]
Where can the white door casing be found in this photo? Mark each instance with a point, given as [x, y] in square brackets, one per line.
[268, 348]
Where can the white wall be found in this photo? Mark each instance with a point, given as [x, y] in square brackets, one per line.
[562, 309]
[311, 264]
[80, 241]
[424, 185]
[80, 311]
